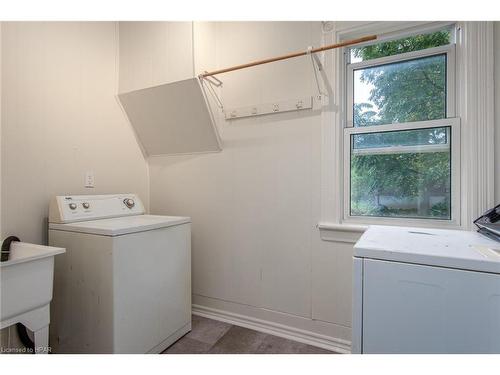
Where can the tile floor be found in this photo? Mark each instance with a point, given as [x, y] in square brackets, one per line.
[214, 337]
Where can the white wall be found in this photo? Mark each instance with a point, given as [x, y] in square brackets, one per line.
[154, 52]
[4, 333]
[255, 205]
[497, 111]
[60, 119]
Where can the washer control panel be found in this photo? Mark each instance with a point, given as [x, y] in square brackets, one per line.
[72, 208]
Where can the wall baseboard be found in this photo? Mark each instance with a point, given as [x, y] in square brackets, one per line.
[288, 332]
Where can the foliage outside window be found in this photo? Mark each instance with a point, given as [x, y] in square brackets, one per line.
[403, 45]
[412, 90]
[400, 173]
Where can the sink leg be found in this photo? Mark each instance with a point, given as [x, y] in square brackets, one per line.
[42, 340]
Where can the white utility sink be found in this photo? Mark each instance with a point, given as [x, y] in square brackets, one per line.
[26, 289]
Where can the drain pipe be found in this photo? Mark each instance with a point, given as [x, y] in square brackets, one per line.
[6, 247]
[25, 339]
[21, 329]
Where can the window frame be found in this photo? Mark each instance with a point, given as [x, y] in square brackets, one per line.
[454, 144]
[448, 50]
[449, 121]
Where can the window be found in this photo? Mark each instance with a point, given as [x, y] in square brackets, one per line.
[402, 91]
[401, 142]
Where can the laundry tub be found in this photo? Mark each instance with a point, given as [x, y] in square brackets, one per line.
[26, 289]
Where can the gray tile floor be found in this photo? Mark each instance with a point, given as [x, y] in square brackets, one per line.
[213, 337]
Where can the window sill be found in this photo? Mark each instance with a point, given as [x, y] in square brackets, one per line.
[335, 232]
[400, 222]
[351, 232]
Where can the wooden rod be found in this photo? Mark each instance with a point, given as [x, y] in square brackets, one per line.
[291, 55]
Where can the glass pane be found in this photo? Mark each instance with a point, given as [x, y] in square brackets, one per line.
[420, 137]
[403, 45]
[404, 181]
[412, 90]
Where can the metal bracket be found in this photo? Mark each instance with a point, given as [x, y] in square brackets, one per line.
[211, 79]
[314, 57]
[317, 61]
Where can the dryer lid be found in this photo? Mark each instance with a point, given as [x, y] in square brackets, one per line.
[434, 247]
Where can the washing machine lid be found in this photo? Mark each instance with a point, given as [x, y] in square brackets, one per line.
[435, 247]
[121, 225]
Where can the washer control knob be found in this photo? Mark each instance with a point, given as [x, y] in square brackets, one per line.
[72, 206]
[86, 205]
[129, 202]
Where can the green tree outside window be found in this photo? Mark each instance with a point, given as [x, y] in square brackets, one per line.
[405, 184]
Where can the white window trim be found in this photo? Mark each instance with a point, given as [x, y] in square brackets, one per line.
[349, 68]
[475, 94]
[402, 149]
[391, 150]
[474, 106]
[454, 124]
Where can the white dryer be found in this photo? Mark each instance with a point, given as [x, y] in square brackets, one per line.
[425, 291]
[124, 283]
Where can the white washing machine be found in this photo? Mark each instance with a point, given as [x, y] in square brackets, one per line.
[421, 290]
[124, 283]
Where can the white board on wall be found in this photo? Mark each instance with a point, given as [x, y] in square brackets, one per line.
[173, 118]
